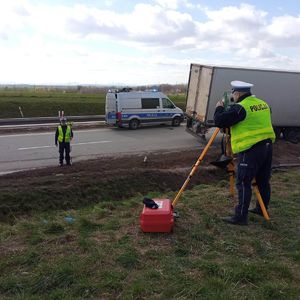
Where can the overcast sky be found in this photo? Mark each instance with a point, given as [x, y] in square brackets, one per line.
[142, 42]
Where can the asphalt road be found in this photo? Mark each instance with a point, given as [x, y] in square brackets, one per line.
[34, 150]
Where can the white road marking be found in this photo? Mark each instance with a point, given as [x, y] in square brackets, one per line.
[96, 142]
[39, 147]
[75, 144]
[14, 171]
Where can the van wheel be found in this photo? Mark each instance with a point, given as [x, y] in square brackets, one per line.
[176, 121]
[134, 124]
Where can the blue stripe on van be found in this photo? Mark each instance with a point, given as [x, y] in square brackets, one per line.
[111, 116]
[144, 117]
[150, 115]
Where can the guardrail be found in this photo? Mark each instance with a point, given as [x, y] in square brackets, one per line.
[49, 120]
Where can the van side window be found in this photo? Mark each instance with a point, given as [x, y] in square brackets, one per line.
[150, 103]
[167, 103]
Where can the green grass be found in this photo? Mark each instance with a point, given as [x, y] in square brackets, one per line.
[102, 254]
[47, 104]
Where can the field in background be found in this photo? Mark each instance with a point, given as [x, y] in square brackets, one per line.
[47, 104]
[98, 251]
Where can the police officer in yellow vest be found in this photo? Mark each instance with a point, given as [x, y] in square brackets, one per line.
[252, 135]
[63, 136]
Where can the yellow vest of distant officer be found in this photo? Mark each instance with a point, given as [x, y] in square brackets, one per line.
[61, 134]
[256, 127]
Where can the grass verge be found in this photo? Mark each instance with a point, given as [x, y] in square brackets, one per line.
[99, 251]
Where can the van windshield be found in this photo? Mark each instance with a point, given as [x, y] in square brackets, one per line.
[167, 103]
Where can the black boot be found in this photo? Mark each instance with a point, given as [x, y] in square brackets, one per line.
[235, 220]
[256, 211]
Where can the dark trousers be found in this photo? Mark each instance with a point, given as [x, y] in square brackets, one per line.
[64, 148]
[255, 162]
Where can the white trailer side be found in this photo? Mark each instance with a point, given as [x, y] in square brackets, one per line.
[278, 88]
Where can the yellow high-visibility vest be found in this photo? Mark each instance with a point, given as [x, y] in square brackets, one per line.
[256, 127]
[61, 134]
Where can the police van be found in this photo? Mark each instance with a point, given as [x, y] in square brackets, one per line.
[133, 109]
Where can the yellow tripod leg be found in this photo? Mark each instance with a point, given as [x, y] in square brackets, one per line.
[230, 170]
[260, 201]
[196, 165]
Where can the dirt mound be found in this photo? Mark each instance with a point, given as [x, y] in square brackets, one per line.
[115, 178]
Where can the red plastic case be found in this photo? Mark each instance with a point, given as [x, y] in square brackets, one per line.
[158, 220]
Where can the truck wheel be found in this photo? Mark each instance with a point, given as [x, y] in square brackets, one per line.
[176, 121]
[134, 124]
[292, 135]
[277, 131]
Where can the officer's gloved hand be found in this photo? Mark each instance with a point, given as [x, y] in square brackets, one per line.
[150, 203]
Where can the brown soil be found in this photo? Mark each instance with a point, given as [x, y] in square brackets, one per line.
[116, 177]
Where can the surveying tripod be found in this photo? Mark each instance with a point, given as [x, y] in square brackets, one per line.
[230, 170]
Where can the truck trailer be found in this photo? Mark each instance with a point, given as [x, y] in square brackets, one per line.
[207, 85]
